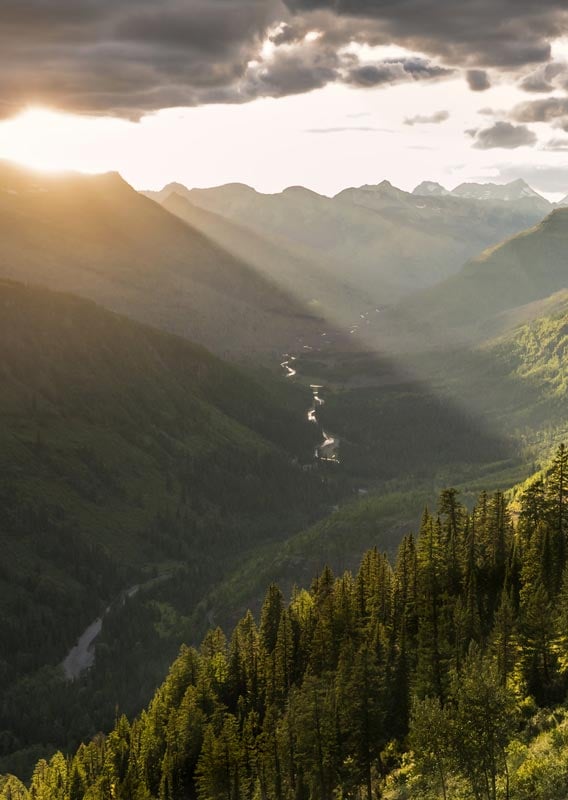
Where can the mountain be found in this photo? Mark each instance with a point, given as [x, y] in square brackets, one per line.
[330, 297]
[496, 286]
[128, 457]
[98, 237]
[374, 240]
[430, 188]
[517, 191]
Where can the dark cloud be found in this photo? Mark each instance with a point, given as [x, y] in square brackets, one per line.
[478, 80]
[477, 33]
[395, 71]
[428, 119]
[504, 135]
[292, 71]
[126, 57]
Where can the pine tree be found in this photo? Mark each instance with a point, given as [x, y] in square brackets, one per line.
[504, 638]
[360, 687]
[557, 512]
[430, 567]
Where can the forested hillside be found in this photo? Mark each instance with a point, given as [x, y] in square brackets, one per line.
[127, 457]
[528, 267]
[372, 682]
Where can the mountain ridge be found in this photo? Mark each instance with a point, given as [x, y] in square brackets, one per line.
[393, 241]
[97, 237]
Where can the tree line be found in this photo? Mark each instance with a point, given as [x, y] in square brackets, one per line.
[437, 655]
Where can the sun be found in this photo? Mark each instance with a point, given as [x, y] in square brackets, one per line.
[53, 141]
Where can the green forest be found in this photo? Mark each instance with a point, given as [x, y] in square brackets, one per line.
[441, 674]
[127, 455]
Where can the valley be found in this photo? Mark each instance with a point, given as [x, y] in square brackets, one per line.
[283, 400]
[133, 457]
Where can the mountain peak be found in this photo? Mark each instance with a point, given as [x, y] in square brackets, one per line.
[301, 191]
[384, 187]
[430, 188]
[514, 191]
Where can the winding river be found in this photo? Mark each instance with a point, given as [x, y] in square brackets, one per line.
[328, 449]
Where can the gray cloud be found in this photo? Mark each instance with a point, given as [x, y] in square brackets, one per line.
[292, 71]
[395, 71]
[478, 80]
[126, 57]
[481, 33]
[548, 109]
[428, 119]
[545, 78]
[504, 135]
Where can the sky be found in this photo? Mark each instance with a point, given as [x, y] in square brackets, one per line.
[322, 93]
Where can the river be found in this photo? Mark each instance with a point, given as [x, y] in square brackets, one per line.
[82, 655]
[328, 449]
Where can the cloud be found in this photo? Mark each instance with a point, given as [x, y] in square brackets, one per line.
[123, 57]
[548, 109]
[545, 78]
[395, 71]
[127, 57]
[428, 119]
[478, 80]
[480, 33]
[504, 135]
[556, 145]
[300, 68]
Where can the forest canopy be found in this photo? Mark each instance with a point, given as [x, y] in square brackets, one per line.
[423, 677]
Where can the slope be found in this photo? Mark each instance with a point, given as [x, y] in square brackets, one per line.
[327, 295]
[527, 268]
[126, 454]
[96, 236]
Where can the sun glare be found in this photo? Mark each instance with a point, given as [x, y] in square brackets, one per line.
[53, 141]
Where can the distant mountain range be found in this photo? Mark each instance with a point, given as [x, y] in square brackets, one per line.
[253, 275]
[374, 240]
[517, 192]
